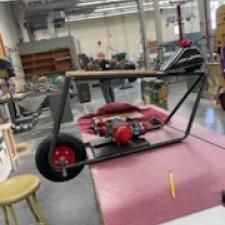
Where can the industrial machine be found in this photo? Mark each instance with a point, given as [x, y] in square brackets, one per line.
[25, 120]
[188, 58]
[62, 157]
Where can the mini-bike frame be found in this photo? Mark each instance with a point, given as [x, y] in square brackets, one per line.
[93, 75]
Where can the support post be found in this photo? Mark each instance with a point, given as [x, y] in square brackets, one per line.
[180, 24]
[144, 39]
[158, 29]
[209, 32]
[204, 49]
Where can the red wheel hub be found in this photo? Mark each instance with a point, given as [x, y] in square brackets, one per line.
[63, 152]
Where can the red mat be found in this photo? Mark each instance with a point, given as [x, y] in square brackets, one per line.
[142, 114]
[134, 190]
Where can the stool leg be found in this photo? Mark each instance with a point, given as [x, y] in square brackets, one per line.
[12, 212]
[36, 216]
[37, 208]
[6, 216]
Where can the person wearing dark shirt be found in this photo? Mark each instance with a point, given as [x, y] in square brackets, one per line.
[106, 84]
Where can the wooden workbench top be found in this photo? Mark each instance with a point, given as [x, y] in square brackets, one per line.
[122, 74]
[114, 73]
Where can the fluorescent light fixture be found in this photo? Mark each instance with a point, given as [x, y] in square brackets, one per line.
[4, 1]
[90, 3]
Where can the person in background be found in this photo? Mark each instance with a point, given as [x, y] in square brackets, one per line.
[106, 84]
[114, 63]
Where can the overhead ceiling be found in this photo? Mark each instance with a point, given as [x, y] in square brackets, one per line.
[37, 11]
[81, 7]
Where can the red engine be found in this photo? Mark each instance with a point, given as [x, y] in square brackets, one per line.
[120, 131]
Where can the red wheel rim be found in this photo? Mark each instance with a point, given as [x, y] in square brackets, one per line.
[63, 152]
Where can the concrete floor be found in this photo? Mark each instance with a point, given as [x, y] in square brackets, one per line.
[73, 202]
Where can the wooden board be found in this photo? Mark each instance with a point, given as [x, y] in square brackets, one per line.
[153, 47]
[2, 48]
[112, 73]
[80, 74]
[220, 26]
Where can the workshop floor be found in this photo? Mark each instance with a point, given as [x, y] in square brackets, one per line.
[73, 203]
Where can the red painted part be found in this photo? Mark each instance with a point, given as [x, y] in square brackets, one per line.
[186, 43]
[103, 130]
[145, 127]
[122, 134]
[66, 152]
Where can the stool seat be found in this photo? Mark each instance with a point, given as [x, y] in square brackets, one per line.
[18, 188]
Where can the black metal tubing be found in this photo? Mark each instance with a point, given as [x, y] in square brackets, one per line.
[59, 116]
[182, 99]
[125, 153]
[201, 77]
[195, 108]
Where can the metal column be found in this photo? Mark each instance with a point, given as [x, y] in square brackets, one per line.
[158, 29]
[180, 24]
[158, 25]
[204, 48]
[144, 39]
[209, 32]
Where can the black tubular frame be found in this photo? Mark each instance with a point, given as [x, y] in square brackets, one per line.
[198, 84]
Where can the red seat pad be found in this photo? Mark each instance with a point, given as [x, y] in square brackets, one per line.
[148, 113]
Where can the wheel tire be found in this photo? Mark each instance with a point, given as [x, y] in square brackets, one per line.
[42, 161]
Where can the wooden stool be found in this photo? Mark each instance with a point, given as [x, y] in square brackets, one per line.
[17, 189]
[10, 144]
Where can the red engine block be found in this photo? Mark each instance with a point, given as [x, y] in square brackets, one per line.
[120, 131]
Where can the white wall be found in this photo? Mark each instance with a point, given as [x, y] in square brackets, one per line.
[123, 33]
[10, 36]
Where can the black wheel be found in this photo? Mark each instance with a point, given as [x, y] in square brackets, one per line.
[68, 147]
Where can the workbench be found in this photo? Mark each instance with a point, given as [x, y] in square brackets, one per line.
[135, 189]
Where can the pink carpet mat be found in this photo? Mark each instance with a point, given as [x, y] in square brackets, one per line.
[134, 190]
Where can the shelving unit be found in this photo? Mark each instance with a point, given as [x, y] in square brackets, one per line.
[46, 63]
